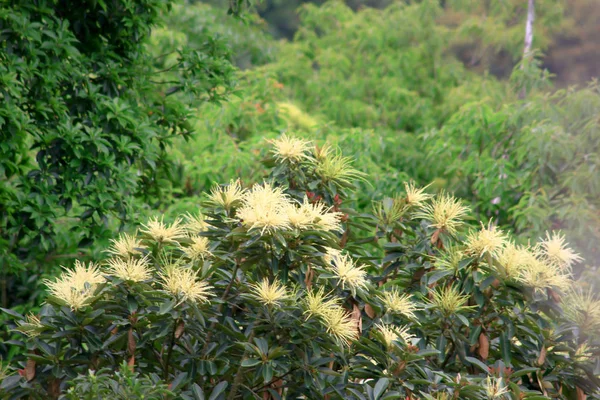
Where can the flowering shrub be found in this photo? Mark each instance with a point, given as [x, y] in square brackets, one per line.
[278, 290]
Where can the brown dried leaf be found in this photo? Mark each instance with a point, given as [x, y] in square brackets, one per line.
[435, 236]
[54, 388]
[484, 346]
[131, 345]
[357, 317]
[370, 311]
[309, 277]
[30, 370]
[542, 358]
[180, 329]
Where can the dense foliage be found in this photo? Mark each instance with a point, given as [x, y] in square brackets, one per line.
[336, 263]
[85, 117]
[385, 87]
[280, 291]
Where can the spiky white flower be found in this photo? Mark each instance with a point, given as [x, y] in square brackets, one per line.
[270, 294]
[315, 216]
[290, 149]
[229, 196]
[345, 270]
[449, 300]
[415, 197]
[444, 213]
[198, 248]
[494, 389]
[131, 269]
[397, 303]
[339, 323]
[391, 334]
[32, 326]
[160, 232]
[264, 208]
[557, 252]
[126, 246]
[182, 284]
[76, 287]
[488, 240]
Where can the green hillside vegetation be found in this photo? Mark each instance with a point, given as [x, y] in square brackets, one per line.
[371, 200]
[383, 85]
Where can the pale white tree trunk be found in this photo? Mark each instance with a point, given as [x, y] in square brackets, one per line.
[529, 28]
[528, 36]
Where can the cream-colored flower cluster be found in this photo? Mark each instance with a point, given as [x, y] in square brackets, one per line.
[290, 149]
[583, 309]
[31, 326]
[350, 275]
[546, 265]
[449, 300]
[77, 286]
[444, 213]
[397, 303]
[391, 334]
[181, 282]
[337, 321]
[269, 294]
[268, 209]
[488, 240]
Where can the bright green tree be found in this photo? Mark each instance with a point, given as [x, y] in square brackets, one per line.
[85, 119]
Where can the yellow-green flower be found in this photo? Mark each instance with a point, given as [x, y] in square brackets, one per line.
[126, 246]
[450, 259]
[269, 294]
[331, 166]
[76, 287]
[540, 275]
[345, 270]
[556, 251]
[317, 305]
[32, 326]
[182, 284]
[229, 196]
[160, 232]
[415, 197]
[390, 334]
[198, 248]
[290, 149]
[340, 325]
[584, 353]
[194, 224]
[444, 213]
[397, 303]
[494, 389]
[489, 240]
[449, 300]
[513, 260]
[131, 269]
[583, 309]
[315, 216]
[265, 208]
[390, 211]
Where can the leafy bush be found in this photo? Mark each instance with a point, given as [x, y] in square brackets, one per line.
[279, 290]
[190, 25]
[85, 120]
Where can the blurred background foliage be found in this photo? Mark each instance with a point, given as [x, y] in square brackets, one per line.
[395, 88]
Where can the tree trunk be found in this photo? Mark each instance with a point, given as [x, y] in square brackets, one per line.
[528, 38]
